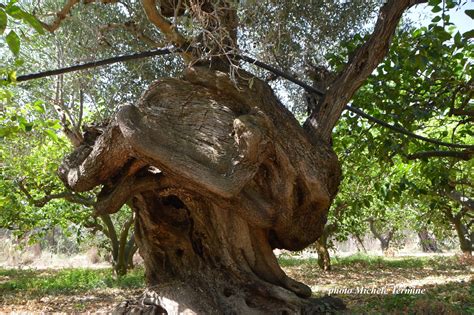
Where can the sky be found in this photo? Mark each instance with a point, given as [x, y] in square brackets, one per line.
[463, 22]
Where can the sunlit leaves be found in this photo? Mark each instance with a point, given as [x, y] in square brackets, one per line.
[3, 21]
[18, 13]
[427, 73]
[13, 42]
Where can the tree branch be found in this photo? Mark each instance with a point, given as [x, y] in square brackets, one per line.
[359, 67]
[462, 112]
[405, 131]
[462, 155]
[132, 28]
[160, 52]
[97, 63]
[466, 202]
[66, 11]
[112, 234]
[66, 195]
[96, 226]
[168, 29]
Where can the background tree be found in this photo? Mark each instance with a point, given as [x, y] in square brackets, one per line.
[430, 72]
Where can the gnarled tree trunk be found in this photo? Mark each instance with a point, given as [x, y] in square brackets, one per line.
[219, 174]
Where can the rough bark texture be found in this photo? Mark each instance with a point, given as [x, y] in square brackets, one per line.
[218, 173]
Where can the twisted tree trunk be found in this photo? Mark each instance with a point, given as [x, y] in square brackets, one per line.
[219, 174]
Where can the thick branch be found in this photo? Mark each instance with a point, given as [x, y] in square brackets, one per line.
[132, 28]
[109, 202]
[466, 202]
[462, 155]
[362, 64]
[462, 112]
[168, 29]
[112, 234]
[66, 11]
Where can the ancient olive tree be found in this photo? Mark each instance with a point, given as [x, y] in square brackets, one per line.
[218, 172]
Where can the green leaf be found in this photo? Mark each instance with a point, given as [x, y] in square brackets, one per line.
[3, 21]
[458, 39]
[469, 34]
[470, 13]
[15, 12]
[33, 22]
[38, 106]
[11, 77]
[436, 9]
[13, 42]
[50, 133]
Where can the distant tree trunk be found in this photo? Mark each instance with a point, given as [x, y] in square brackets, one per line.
[465, 237]
[360, 241]
[321, 245]
[463, 231]
[383, 239]
[427, 242]
[324, 259]
[123, 246]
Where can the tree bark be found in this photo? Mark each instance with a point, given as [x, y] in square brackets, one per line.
[427, 242]
[324, 259]
[364, 60]
[360, 241]
[463, 231]
[465, 237]
[383, 239]
[218, 174]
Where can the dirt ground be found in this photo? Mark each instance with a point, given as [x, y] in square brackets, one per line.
[446, 288]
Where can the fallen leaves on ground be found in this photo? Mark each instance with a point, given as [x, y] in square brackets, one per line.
[448, 288]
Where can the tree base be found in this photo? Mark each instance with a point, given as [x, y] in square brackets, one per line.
[165, 302]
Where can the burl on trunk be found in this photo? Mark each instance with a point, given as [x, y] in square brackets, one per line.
[219, 174]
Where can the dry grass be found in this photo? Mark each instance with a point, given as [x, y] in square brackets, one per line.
[447, 281]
